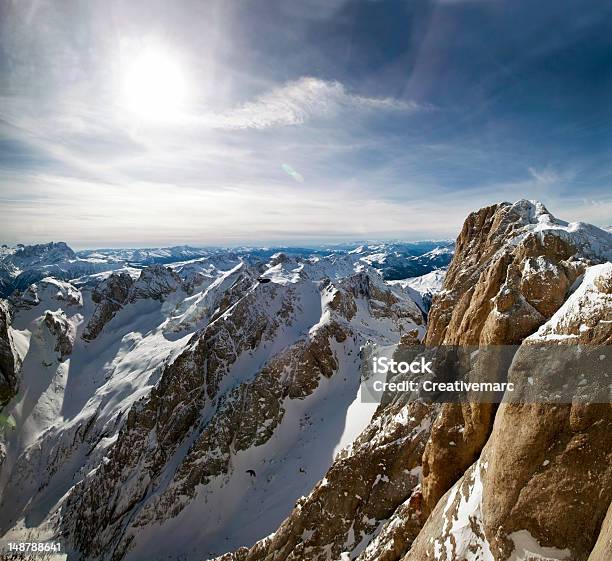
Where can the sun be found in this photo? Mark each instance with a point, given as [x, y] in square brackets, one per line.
[153, 85]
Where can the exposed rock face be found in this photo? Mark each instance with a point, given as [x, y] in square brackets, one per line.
[603, 548]
[511, 271]
[9, 360]
[510, 281]
[513, 268]
[398, 533]
[382, 303]
[49, 289]
[544, 480]
[195, 278]
[155, 282]
[26, 299]
[63, 292]
[110, 295]
[63, 330]
[118, 289]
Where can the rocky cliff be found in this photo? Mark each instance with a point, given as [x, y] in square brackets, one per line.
[10, 362]
[519, 481]
[542, 485]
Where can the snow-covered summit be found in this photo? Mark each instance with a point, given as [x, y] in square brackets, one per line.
[29, 264]
[591, 241]
[29, 256]
[155, 282]
[48, 290]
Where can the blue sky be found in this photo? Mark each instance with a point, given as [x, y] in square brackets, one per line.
[297, 121]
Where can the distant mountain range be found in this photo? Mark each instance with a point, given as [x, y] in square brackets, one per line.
[22, 265]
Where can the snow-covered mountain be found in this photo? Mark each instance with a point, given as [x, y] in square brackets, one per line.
[424, 287]
[401, 261]
[21, 266]
[240, 363]
[209, 407]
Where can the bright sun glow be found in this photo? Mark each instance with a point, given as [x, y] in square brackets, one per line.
[153, 85]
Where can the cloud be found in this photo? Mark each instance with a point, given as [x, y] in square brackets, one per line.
[150, 214]
[299, 101]
[544, 176]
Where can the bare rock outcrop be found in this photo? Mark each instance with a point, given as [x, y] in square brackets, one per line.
[113, 293]
[513, 268]
[48, 290]
[155, 282]
[110, 295]
[9, 359]
[507, 257]
[602, 551]
[63, 330]
[543, 483]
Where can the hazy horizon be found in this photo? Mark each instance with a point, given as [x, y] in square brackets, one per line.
[294, 242]
[277, 245]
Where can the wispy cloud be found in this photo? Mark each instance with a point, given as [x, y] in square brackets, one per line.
[299, 101]
[545, 176]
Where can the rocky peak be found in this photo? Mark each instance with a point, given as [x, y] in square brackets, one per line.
[119, 289]
[26, 299]
[499, 287]
[41, 254]
[110, 295]
[48, 290]
[278, 258]
[358, 285]
[381, 299]
[213, 299]
[63, 330]
[514, 267]
[518, 274]
[115, 288]
[155, 282]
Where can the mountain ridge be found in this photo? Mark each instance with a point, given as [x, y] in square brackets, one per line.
[175, 403]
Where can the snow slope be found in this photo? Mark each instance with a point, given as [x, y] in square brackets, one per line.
[77, 395]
